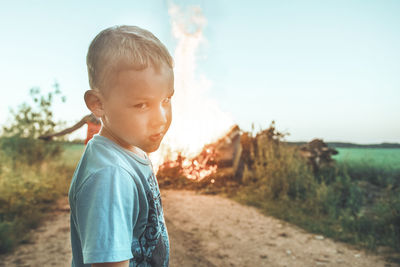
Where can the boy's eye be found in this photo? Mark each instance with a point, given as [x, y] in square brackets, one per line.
[167, 100]
[141, 105]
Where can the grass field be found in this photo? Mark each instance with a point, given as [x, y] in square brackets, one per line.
[72, 154]
[377, 157]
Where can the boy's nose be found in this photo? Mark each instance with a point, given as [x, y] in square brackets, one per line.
[160, 117]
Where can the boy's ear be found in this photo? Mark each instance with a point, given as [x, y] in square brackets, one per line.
[94, 102]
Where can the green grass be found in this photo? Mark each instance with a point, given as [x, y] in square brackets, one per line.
[28, 192]
[379, 166]
[72, 153]
[368, 232]
[376, 157]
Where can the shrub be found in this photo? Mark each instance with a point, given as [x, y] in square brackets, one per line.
[28, 122]
[29, 150]
[356, 203]
[26, 193]
[31, 178]
[277, 169]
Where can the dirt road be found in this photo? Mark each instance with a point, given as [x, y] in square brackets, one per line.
[208, 231]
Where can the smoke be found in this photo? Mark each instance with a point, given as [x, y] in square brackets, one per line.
[197, 118]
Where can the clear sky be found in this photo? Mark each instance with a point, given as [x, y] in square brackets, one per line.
[326, 69]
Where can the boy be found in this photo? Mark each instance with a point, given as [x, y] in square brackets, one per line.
[116, 212]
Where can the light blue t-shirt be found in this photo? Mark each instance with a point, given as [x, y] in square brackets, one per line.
[116, 210]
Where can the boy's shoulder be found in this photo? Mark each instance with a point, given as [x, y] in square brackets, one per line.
[103, 158]
[100, 152]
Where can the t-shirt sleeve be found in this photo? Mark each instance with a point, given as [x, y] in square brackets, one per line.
[107, 207]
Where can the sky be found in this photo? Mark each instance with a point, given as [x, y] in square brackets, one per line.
[320, 69]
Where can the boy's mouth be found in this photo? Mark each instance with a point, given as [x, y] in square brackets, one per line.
[156, 137]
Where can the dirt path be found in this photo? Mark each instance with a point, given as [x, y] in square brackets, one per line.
[49, 244]
[208, 231]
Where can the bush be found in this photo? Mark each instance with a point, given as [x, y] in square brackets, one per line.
[362, 171]
[28, 122]
[277, 170]
[29, 150]
[26, 193]
[31, 178]
[356, 203]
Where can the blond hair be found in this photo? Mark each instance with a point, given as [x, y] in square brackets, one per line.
[122, 48]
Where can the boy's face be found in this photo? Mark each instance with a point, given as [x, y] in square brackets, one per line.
[137, 110]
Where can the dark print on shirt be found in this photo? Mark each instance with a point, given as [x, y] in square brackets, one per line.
[154, 240]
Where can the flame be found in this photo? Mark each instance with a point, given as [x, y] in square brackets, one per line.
[197, 119]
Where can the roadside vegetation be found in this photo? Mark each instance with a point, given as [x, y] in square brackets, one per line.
[33, 173]
[354, 202]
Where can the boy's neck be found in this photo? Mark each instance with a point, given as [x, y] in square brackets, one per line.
[105, 133]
